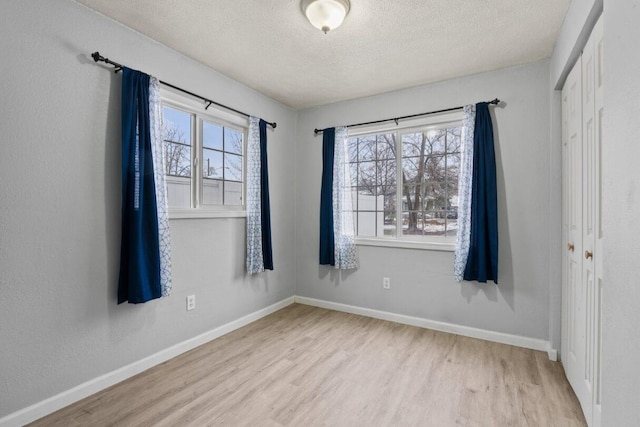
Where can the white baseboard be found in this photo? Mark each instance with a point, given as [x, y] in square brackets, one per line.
[467, 331]
[95, 385]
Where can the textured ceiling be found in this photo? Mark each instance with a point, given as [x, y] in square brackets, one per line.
[383, 45]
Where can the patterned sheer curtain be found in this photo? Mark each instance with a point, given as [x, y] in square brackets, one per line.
[337, 234]
[145, 254]
[259, 248]
[346, 251]
[464, 193]
[159, 174]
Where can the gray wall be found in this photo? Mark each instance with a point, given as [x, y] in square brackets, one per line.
[621, 183]
[60, 207]
[422, 282]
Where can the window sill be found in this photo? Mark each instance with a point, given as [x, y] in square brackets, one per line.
[204, 213]
[406, 244]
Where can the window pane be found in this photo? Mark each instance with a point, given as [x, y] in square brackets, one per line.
[367, 199]
[232, 167]
[211, 135]
[176, 125]
[410, 169]
[412, 144]
[354, 172]
[412, 196]
[211, 192]
[367, 224]
[212, 164]
[453, 140]
[233, 140]
[412, 223]
[389, 226]
[435, 141]
[430, 190]
[352, 147]
[435, 168]
[386, 172]
[389, 195]
[178, 159]
[177, 141]
[178, 192]
[452, 222]
[366, 174]
[434, 223]
[386, 146]
[367, 148]
[232, 193]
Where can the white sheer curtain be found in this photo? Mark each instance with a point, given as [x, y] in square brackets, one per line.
[346, 252]
[158, 153]
[255, 261]
[464, 193]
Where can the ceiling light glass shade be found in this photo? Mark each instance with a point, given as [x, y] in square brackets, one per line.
[325, 15]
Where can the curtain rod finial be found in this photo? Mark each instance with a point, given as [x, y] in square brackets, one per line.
[96, 56]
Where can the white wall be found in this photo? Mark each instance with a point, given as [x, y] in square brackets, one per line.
[422, 281]
[60, 207]
[621, 202]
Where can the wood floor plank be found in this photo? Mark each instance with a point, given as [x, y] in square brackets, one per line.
[306, 366]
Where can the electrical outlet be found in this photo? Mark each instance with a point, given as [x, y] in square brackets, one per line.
[191, 302]
[386, 283]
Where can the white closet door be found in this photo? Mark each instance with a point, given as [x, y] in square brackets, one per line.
[573, 340]
[585, 387]
[582, 99]
[598, 235]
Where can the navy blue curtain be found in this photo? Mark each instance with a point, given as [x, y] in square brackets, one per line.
[139, 279]
[482, 262]
[327, 242]
[265, 212]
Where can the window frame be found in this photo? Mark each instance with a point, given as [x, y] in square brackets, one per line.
[179, 101]
[432, 122]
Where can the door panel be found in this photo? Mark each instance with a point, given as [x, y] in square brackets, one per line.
[573, 339]
[598, 45]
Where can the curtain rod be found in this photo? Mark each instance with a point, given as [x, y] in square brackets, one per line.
[395, 119]
[118, 67]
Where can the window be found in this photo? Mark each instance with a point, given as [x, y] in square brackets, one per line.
[204, 159]
[405, 183]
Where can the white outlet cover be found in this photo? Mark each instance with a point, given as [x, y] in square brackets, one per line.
[191, 302]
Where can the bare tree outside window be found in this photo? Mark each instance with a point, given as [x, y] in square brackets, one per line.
[177, 151]
[428, 193]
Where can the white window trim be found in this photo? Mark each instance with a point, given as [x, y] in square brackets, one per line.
[178, 100]
[405, 244]
[446, 244]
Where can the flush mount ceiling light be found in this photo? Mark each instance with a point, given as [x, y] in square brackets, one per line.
[325, 15]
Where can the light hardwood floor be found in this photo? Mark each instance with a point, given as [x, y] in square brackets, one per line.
[306, 366]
